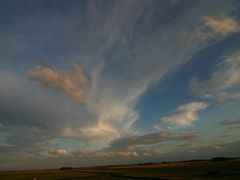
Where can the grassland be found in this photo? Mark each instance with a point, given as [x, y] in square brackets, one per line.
[227, 169]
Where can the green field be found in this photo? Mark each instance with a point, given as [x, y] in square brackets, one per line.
[180, 170]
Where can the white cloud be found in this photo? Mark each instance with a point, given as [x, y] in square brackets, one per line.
[147, 154]
[184, 115]
[59, 152]
[128, 153]
[109, 154]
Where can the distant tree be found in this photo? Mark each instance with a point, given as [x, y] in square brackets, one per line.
[65, 168]
[220, 159]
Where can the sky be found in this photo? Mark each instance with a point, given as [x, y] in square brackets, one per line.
[101, 82]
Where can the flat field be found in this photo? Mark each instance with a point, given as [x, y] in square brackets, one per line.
[176, 170]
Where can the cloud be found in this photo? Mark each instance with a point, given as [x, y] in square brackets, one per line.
[138, 145]
[222, 82]
[231, 124]
[24, 103]
[147, 154]
[108, 154]
[223, 26]
[59, 152]
[114, 111]
[129, 153]
[131, 141]
[125, 47]
[181, 151]
[25, 137]
[30, 143]
[185, 115]
[155, 151]
[71, 82]
[1, 125]
[227, 149]
[118, 71]
[117, 68]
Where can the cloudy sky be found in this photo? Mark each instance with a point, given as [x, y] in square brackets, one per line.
[88, 83]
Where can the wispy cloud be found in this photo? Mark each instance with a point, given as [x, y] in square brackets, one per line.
[184, 115]
[231, 124]
[137, 145]
[131, 141]
[223, 81]
[159, 153]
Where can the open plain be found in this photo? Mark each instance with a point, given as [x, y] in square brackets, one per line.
[202, 169]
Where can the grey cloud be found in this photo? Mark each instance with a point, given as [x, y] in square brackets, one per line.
[22, 103]
[201, 151]
[153, 145]
[25, 137]
[227, 149]
[151, 138]
[23, 144]
[231, 124]
[1, 125]
[138, 146]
